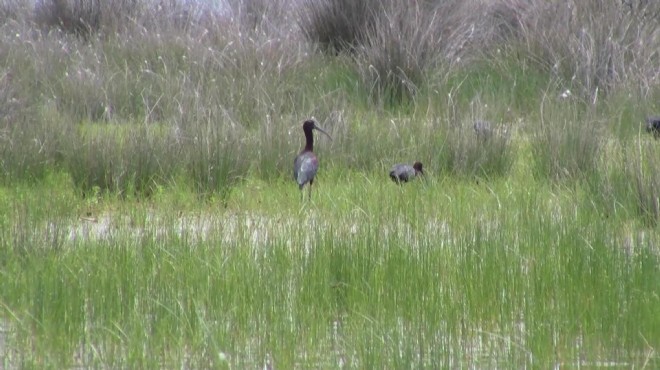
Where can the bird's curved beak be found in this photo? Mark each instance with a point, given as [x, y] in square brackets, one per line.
[320, 129]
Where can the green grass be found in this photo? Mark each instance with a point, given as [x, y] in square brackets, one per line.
[442, 273]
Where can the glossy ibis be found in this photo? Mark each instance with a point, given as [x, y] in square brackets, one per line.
[306, 164]
[653, 126]
[405, 172]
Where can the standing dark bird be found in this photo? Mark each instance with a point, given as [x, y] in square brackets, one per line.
[653, 126]
[306, 164]
[405, 172]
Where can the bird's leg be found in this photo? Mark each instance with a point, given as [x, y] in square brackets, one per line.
[310, 191]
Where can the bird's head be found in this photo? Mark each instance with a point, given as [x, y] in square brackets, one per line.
[310, 125]
[418, 167]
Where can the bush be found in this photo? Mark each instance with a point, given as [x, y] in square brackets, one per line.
[83, 17]
[565, 145]
[216, 160]
[91, 18]
[338, 25]
[394, 44]
[596, 45]
[474, 150]
[31, 145]
[123, 159]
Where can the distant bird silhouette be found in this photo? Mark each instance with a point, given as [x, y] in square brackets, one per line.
[306, 164]
[405, 172]
[653, 126]
[483, 129]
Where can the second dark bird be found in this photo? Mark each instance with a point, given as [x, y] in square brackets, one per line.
[653, 126]
[306, 164]
[405, 172]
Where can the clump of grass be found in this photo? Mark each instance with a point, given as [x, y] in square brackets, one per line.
[15, 9]
[84, 18]
[472, 139]
[644, 173]
[467, 150]
[503, 21]
[395, 46]
[31, 146]
[405, 46]
[593, 45]
[338, 25]
[216, 159]
[565, 145]
[94, 19]
[122, 159]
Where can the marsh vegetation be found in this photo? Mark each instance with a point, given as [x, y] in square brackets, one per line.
[149, 219]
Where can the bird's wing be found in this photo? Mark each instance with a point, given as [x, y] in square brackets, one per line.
[305, 168]
[403, 172]
[410, 172]
[297, 163]
[396, 168]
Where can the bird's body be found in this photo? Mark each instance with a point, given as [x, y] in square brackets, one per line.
[653, 126]
[306, 164]
[405, 172]
[304, 168]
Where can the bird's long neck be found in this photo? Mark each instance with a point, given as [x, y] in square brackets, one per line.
[309, 141]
